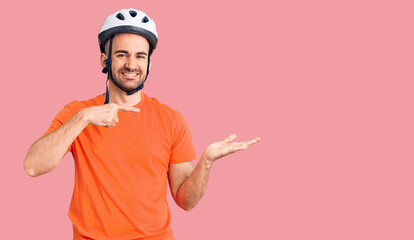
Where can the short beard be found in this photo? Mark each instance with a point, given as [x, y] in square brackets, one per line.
[125, 88]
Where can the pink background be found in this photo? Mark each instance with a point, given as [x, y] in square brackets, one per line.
[328, 85]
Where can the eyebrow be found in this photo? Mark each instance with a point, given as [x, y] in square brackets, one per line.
[121, 51]
[126, 52]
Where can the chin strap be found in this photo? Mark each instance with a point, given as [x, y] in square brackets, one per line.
[108, 70]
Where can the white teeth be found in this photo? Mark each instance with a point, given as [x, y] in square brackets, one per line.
[131, 74]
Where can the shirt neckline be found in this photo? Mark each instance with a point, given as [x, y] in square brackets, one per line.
[101, 100]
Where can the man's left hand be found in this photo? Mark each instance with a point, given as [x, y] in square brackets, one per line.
[220, 149]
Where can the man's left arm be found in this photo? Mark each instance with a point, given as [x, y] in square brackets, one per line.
[189, 184]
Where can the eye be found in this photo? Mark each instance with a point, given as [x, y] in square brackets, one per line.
[120, 55]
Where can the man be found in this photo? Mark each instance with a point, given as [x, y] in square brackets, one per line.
[126, 145]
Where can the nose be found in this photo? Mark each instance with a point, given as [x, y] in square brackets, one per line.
[131, 64]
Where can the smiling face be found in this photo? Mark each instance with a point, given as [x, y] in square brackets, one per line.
[129, 60]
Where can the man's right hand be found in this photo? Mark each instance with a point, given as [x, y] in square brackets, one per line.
[105, 115]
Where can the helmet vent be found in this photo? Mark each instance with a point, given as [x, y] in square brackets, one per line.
[120, 16]
[145, 19]
[133, 13]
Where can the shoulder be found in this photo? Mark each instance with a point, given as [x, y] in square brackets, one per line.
[77, 105]
[163, 109]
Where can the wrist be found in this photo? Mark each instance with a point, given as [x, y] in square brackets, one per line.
[82, 117]
[207, 162]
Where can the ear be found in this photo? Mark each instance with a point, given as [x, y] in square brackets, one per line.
[103, 58]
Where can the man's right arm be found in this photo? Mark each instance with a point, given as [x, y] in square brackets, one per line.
[45, 154]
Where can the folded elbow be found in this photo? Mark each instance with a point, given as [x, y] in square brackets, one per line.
[183, 203]
[187, 208]
[32, 174]
[30, 171]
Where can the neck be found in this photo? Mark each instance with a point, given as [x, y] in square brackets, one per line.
[120, 97]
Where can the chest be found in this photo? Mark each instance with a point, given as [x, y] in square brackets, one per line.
[138, 141]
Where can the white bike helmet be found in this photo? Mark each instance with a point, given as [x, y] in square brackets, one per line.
[126, 21]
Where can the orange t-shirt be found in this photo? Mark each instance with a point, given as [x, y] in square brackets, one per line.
[121, 172]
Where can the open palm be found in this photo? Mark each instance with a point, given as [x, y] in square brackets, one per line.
[220, 149]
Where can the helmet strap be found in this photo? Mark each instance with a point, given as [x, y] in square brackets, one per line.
[108, 68]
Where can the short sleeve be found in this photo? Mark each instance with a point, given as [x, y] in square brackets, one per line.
[64, 115]
[182, 149]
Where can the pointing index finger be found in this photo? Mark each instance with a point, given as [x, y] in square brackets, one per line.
[128, 109]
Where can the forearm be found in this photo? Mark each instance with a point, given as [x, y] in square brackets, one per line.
[46, 153]
[194, 187]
